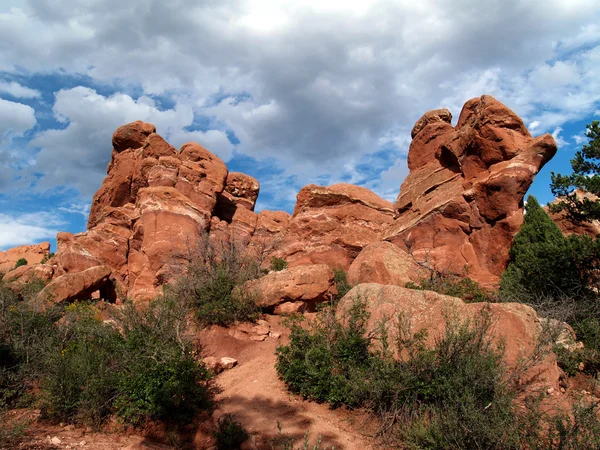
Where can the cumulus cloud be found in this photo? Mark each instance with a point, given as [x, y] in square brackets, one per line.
[77, 154]
[312, 85]
[15, 119]
[21, 229]
[17, 90]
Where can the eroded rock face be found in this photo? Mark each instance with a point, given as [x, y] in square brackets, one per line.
[568, 226]
[462, 203]
[384, 263]
[34, 254]
[294, 289]
[331, 225]
[515, 324]
[79, 286]
[149, 212]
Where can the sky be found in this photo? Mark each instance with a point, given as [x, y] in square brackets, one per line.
[291, 92]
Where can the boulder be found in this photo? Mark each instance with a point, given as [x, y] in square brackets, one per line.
[33, 254]
[384, 263]
[331, 225]
[304, 286]
[240, 190]
[514, 324]
[79, 286]
[27, 274]
[462, 202]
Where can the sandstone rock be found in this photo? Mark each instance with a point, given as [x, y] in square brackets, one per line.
[150, 211]
[80, 285]
[132, 135]
[515, 324]
[306, 285]
[34, 254]
[228, 363]
[568, 226]
[384, 263]
[266, 238]
[27, 274]
[462, 203]
[331, 225]
[240, 190]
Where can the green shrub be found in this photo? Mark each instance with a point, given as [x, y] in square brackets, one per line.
[81, 372]
[278, 264]
[544, 264]
[455, 286]
[140, 365]
[212, 285]
[455, 394]
[21, 262]
[230, 434]
[341, 282]
[160, 377]
[47, 257]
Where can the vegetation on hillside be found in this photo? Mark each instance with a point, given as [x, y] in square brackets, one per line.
[138, 364]
[456, 394]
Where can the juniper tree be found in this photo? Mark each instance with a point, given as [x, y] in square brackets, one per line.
[585, 176]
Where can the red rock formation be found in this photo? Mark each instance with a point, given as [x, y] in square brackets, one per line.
[462, 203]
[79, 286]
[331, 225]
[294, 289]
[568, 226]
[34, 254]
[384, 263]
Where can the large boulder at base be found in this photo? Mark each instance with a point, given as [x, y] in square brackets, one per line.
[569, 226]
[514, 324]
[462, 202]
[331, 225]
[384, 263]
[33, 254]
[295, 289]
[79, 286]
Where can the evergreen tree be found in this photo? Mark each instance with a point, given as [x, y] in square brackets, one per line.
[585, 176]
[545, 263]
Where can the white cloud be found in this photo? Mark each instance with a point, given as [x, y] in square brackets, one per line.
[558, 138]
[314, 85]
[533, 125]
[21, 229]
[77, 208]
[78, 154]
[15, 119]
[18, 91]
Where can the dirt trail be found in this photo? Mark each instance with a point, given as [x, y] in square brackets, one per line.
[258, 399]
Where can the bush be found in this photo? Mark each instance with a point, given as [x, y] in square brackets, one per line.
[278, 264]
[212, 285]
[161, 377]
[341, 282]
[455, 286]
[544, 264]
[454, 394]
[21, 262]
[230, 434]
[139, 365]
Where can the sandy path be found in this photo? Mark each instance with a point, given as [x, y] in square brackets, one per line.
[252, 392]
